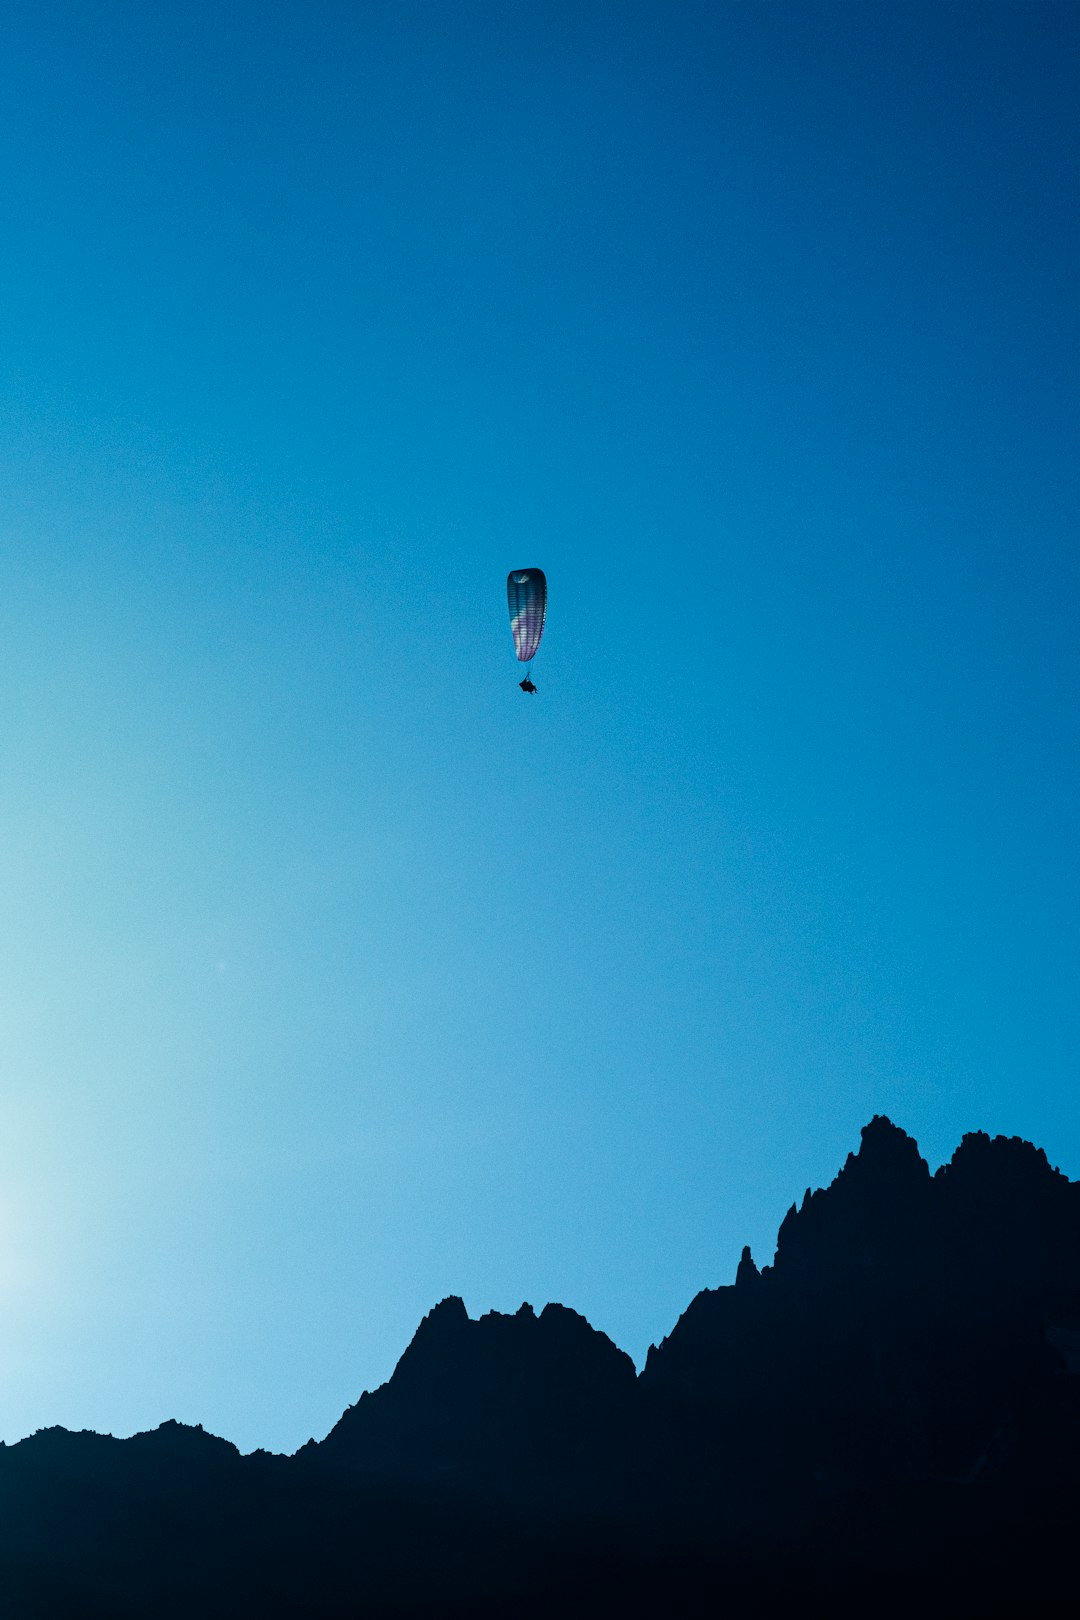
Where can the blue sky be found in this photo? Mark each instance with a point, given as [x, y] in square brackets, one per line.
[337, 976]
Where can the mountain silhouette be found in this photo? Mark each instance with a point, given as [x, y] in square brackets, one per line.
[884, 1421]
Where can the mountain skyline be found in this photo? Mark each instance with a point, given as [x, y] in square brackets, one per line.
[892, 1407]
[887, 1161]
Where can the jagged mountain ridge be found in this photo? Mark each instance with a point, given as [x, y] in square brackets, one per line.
[903, 1314]
[902, 1374]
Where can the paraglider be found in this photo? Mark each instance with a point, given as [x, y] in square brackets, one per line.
[526, 592]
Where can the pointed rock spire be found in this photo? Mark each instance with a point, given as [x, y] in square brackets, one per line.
[747, 1274]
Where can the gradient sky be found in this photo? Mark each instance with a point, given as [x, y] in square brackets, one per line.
[336, 975]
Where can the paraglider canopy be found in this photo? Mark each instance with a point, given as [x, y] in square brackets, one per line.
[526, 591]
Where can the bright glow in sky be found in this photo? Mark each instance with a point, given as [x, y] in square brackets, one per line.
[337, 976]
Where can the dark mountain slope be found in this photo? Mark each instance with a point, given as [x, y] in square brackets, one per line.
[886, 1420]
[504, 1402]
[907, 1323]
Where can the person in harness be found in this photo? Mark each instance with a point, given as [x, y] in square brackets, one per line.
[527, 686]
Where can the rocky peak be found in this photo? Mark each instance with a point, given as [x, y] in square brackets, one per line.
[887, 1151]
[747, 1273]
[184, 1440]
[447, 1319]
[467, 1385]
[871, 1217]
[1004, 1165]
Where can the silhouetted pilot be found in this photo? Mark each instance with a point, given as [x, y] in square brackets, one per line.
[527, 685]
